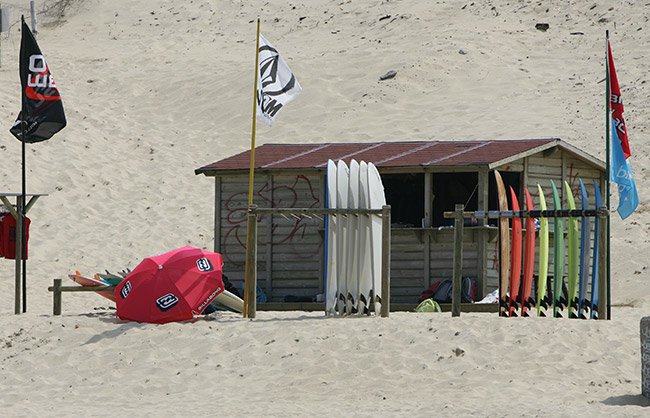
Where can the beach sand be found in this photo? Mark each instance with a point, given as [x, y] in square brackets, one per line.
[153, 90]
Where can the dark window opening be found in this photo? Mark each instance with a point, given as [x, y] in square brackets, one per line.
[405, 195]
[450, 189]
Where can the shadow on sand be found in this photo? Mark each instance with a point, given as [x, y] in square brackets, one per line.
[625, 400]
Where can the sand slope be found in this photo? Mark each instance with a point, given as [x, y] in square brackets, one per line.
[155, 89]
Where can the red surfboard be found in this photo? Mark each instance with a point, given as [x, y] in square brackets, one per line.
[515, 257]
[529, 259]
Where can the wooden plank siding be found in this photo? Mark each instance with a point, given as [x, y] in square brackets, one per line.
[290, 251]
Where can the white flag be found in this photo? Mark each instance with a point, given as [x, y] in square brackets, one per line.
[276, 84]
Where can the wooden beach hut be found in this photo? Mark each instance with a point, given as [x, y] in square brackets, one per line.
[422, 179]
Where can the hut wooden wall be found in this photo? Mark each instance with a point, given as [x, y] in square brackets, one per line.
[291, 250]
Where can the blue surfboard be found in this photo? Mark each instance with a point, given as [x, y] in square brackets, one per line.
[594, 261]
[585, 246]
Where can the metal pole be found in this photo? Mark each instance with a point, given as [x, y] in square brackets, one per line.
[608, 166]
[20, 242]
[32, 11]
[18, 235]
[458, 260]
[2, 29]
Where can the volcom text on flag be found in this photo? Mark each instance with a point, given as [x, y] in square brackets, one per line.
[616, 104]
[276, 84]
[621, 174]
[42, 112]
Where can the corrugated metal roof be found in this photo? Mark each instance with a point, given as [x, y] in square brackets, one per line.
[382, 154]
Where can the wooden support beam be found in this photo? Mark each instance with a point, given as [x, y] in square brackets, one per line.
[481, 259]
[458, 260]
[268, 248]
[217, 214]
[426, 223]
[385, 261]
[56, 303]
[602, 267]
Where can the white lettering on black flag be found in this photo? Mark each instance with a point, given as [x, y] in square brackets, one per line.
[276, 85]
[41, 114]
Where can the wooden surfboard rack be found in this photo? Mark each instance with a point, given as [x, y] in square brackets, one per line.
[459, 214]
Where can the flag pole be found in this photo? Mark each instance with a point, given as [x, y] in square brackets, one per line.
[608, 168]
[22, 239]
[251, 177]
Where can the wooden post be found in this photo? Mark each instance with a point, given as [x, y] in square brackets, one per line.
[426, 223]
[268, 248]
[250, 291]
[481, 259]
[645, 356]
[385, 261]
[602, 266]
[217, 214]
[458, 260]
[57, 297]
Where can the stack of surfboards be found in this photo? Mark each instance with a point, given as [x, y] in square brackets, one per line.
[562, 299]
[353, 242]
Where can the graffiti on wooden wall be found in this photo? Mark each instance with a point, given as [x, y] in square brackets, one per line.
[299, 193]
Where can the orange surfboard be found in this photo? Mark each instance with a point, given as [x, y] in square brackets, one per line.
[87, 281]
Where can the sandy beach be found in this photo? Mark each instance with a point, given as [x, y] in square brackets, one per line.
[153, 90]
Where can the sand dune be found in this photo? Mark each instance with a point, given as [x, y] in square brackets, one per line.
[153, 90]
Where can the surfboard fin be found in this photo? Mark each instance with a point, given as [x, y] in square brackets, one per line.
[531, 303]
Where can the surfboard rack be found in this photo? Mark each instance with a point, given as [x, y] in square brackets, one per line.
[250, 282]
[459, 214]
[565, 213]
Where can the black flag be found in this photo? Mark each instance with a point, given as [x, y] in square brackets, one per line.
[42, 110]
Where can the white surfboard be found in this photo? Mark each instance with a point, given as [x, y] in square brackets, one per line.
[230, 300]
[342, 184]
[352, 253]
[331, 244]
[365, 260]
[377, 199]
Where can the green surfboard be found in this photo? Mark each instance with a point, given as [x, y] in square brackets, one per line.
[542, 269]
[558, 256]
[574, 256]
